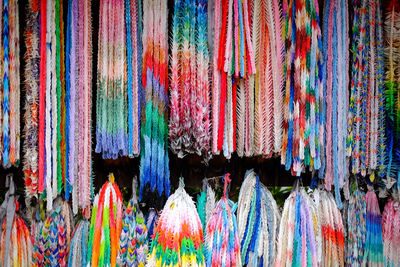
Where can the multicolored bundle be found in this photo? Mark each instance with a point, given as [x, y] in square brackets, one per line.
[332, 229]
[15, 239]
[258, 222]
[233, 60]
[133, 246]
[366, 132]
[178, 236]
[189, 124]
[31, 76]
[52, 110]
[111, 103]
[392, 61]
[133, 24]
[105, 226]
[300, 236]
[266, 85]
[79, 104]
[373, 255]
[206, 204]
[78, 250]
[391, 233]
[303, 119]
[154, 161]
[356, 228]
[52, 241]
[10, 89]
[335, 84]
[222, 245]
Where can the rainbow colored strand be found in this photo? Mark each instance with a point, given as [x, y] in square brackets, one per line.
[154, 160]
[300, 232]
[356, 228]
[222, 245]
[189, 125]
[53, 236]
[258, 222]
[79, 105]
[105, 226]
[373, 244]
[392, 59]
[178, 236]
[111, 103]
[366, 133]
[391, 233]
[332, 229]
[304, 120]
[31, 74]
[133, 246]
[79, 243]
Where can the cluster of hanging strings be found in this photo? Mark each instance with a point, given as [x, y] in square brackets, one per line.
[189, 124]
[10, 84]
[57, 147]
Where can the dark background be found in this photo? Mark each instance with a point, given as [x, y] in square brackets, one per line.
[191, 167]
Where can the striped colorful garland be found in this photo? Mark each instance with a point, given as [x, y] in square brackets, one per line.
[178, 236]
[154, 160]
[105, 225]
[366, 133]
[111, 103]
[78, 249]
[221, 243]
[303, 122]
[258, 221]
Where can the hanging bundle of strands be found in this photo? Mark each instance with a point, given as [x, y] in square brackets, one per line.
[262, 93]
[299, 238]
[335, 84]
[133, 28]
[189, 124]
[392, 63]
[111, 102]
[31, 105]
[258, 222]
[154, 160]
[79, 104]
[233, 61]
[332, 229]
[15, 238]
[303, 120]
[52, 236]
[52, 110]
[205, 204]
[105, 226]
[356, 228]
[10, 87]
[373, 255]
[178, 236]
[79, 243]
[391, 233]
[221, 243]
[133, 245]
[366, 136]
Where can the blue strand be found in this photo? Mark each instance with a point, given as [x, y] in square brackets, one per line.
[129, 48]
